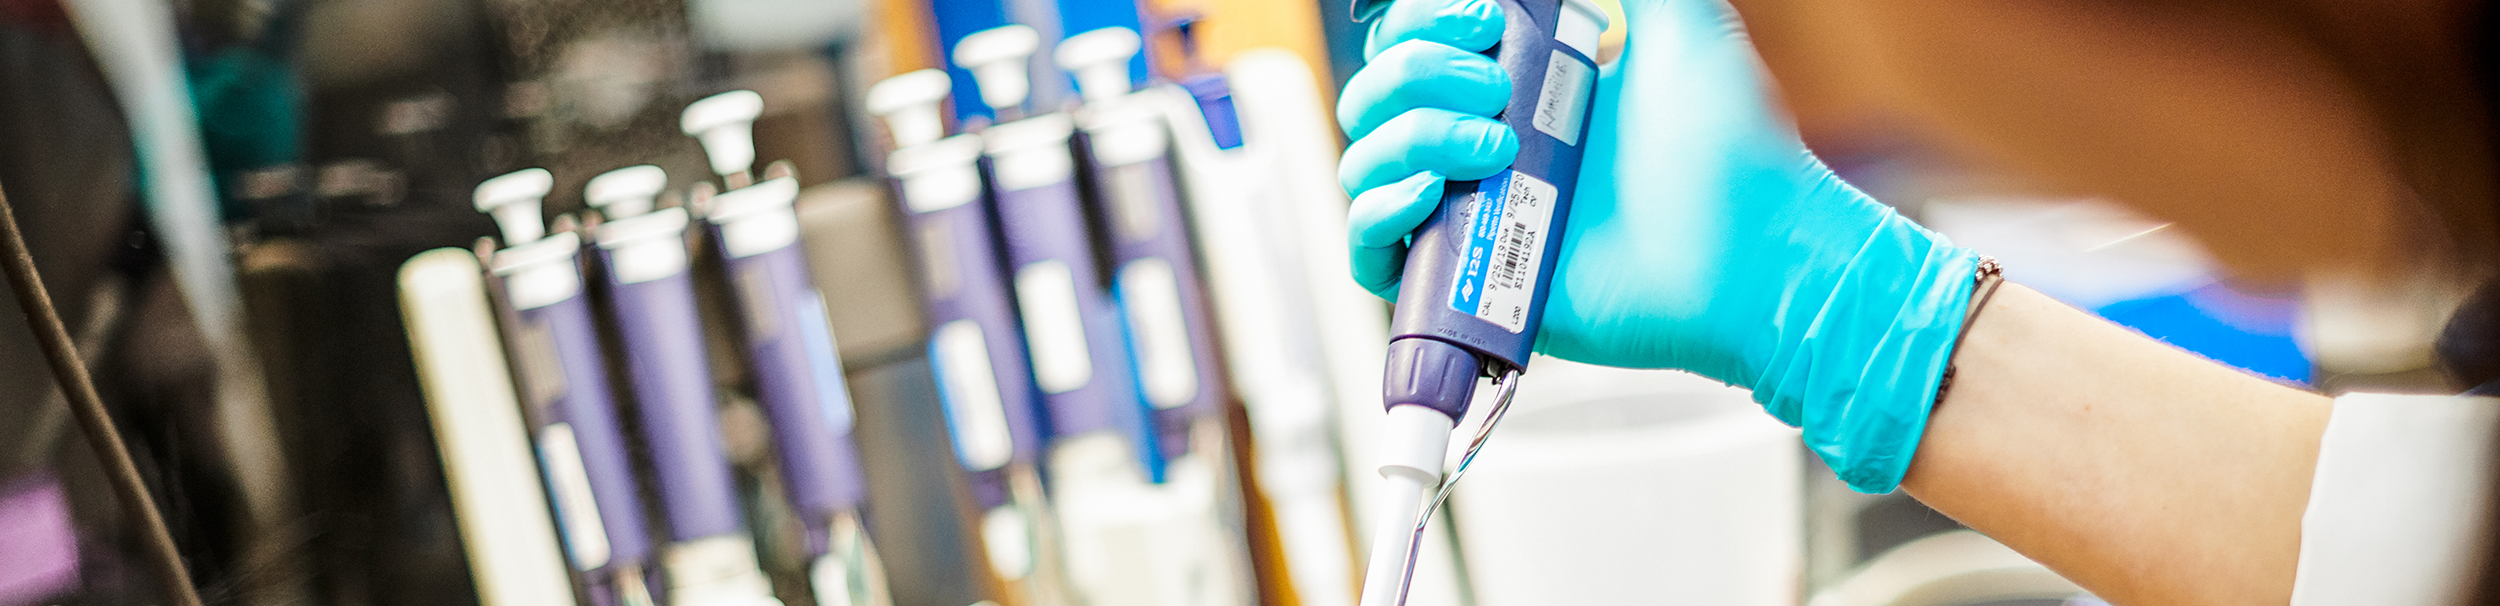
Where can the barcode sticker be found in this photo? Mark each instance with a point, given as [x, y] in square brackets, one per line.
[1508, 221]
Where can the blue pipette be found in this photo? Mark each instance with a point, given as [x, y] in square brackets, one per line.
[1477, 273]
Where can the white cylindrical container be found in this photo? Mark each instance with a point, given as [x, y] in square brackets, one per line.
[1610, 486]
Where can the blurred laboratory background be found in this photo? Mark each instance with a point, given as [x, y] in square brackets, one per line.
[893, 302]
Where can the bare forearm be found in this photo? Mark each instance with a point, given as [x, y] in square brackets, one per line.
[2143, 473]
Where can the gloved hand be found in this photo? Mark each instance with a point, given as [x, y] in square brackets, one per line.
[1704, 236]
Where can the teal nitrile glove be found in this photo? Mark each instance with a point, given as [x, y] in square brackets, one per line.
[1704, 236]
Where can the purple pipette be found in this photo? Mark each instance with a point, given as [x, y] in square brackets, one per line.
[798, 374]
[564, 379]
[711, 558]
[1477, 273]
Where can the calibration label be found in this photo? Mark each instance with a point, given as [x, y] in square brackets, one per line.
[1506, 231]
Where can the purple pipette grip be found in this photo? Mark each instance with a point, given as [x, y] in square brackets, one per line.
[1046, 224]
[1150, 187]
[672, 384]
[981, 294]
[590, 409]
[961, 243]
[819, 464]
[990, 488]
[1448, 256]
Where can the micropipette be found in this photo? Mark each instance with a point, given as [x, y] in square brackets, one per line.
[1476, 277]
[564, 380]
[798, 374]
[1128, 539]
[710, 560]
[1126, 150]
[976, 346]
[1072, 325]
[1134, 191]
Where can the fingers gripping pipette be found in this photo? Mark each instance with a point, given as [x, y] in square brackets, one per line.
[1477, 272]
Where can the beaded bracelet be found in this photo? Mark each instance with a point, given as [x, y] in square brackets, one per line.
[1990, 276]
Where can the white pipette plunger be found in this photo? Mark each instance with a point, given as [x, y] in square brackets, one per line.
[536, 267]
[626, 192]
[725, 123]
[513, 200]
[997, 59]
[1100, 60]
[909, 105]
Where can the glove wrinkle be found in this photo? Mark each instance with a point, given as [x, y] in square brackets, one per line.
[1863, 377]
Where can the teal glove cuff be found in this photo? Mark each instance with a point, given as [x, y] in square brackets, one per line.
[1860, 371]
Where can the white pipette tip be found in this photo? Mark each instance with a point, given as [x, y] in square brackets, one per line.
[997, 58]
[909, 105]
[513, 200]
[1411, 462]
[1386, 575]
[725, 123]
[626, 192]
[1100, 59]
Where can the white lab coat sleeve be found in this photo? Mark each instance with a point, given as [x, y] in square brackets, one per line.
[2398, 507]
